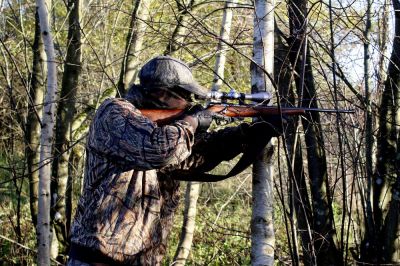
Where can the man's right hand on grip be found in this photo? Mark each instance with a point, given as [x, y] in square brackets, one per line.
[203, 116]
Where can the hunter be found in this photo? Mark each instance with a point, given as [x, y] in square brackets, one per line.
[134, 166]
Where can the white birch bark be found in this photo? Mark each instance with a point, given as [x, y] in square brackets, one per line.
[189, 222]
[178, 35]
[131, 62]
[46, 139]
[193, 188]
[262, 230]
[222, 45]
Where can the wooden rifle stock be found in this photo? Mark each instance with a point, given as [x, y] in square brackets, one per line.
[165, 116]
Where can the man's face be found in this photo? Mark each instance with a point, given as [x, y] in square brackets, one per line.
[169, 98]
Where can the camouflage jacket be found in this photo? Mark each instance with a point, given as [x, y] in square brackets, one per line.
[130, 193]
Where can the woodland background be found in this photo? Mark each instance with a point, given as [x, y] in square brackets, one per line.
[336, 183]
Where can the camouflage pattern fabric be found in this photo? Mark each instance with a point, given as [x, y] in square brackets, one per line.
[130, 193]
[73, 262]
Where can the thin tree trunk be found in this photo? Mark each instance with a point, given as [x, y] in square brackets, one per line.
[35, 104]
[262, 230]
[46, 140]
[189, 222]
[324, 245]
[368, 126]
[178, 35]
[317, 169]
[368, 123]
[371, 225]
[383, 44]
[391, 226]
[299, 195]
[193, 188]
[65, 116]
[222, 46]
[134, 41]
[340, 140]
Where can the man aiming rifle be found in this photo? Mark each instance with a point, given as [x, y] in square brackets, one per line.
[133, 165]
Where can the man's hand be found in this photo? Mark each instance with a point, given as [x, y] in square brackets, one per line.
[204, 119]
[203, 116]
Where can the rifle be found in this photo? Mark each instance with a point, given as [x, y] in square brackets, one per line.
[218, 104]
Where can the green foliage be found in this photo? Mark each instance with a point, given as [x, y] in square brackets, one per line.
[222, 233]
[15, 221]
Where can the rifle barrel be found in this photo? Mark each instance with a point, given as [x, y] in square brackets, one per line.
[260, 110]
[321, 110]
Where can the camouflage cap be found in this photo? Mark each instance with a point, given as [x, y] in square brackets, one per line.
[168, 72]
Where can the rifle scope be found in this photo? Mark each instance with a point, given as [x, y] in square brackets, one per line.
[259, 97]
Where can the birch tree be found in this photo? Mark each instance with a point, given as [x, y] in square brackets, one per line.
[222, 45]
[134, 41]
[189, 223]
[262, 230]
[193, 188]
[46, 139]
[176, 40]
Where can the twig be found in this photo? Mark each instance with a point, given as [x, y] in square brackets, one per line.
[25, 247]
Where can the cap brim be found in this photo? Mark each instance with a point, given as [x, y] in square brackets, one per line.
[195, 89]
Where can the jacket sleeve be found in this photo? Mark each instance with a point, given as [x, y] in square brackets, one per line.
[121, 134]
[210, 149]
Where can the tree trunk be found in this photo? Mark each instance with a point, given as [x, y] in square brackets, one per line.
[324, 245]
[368, 125]
[178, 35]
[46, 140]
[262, 230]
[33, 120]
[189, 222]
[65, 116]
[299, 195]
[317, 169]
[391, 227]
[134, 41]
[389, 121]
[383, 44]
[370, 225]
[222, 46]
[387, 169]
[193, 188]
